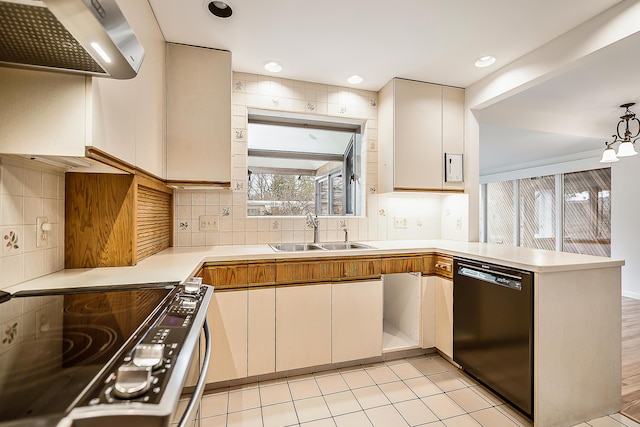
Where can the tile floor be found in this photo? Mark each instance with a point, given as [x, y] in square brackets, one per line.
[420, 391]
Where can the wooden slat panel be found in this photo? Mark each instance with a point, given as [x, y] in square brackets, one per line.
[99, 220]
[153, 215]
[261, 273]
[401, 264]
[357, 268]
[304, 271]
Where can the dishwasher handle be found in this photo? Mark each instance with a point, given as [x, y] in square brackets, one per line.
[194, 402]
[488, 276]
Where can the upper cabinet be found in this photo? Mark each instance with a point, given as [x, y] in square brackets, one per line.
[46, 113]
[198, 115]
[418, 124]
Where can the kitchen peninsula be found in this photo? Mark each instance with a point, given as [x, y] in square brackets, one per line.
[577, 335]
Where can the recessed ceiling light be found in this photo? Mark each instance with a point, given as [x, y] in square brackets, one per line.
[273, 66]
[355, 80]
[219, 9]
[485, 61]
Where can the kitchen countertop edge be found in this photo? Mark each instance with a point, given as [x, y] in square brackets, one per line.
[179, 263]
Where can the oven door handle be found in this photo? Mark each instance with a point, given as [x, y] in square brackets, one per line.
[194, 402]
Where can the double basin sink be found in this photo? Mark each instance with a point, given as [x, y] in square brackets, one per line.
[329, 246]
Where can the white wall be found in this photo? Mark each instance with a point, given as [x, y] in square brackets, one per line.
[625, 222]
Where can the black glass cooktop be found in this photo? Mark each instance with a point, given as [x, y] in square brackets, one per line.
[54, 344]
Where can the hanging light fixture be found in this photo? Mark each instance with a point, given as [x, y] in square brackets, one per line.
[627, 146]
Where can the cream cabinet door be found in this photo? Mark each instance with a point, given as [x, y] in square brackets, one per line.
[356, 320]
[428, 297]
[303, 326]
[261, 356]
[198, 114]
[227, 318]
[444, 315]
[452, 128]
[418, 135]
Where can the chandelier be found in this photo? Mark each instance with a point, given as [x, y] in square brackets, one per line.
[627, 147]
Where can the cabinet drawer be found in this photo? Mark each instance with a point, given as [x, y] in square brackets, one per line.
[357, 268]
[226, 275]
[402, 264]
[304, 271]
[444, 266]
[261, 273]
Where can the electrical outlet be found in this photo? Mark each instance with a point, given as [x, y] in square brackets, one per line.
[42, 231]
[208, 222]
[400, 222]
[459, 224]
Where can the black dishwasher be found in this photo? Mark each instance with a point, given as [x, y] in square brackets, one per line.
[493, 328]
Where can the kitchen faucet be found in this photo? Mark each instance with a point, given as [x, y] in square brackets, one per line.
[313, 222]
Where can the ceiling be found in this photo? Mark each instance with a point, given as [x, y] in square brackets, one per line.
[434, 41]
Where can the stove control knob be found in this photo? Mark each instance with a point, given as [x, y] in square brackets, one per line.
[188, 304]
[192, 286]
[148, 355]
[132, 381]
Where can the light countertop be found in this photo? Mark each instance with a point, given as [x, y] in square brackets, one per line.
[177, 264]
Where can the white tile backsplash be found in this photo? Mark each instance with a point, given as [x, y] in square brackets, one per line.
[27, 191]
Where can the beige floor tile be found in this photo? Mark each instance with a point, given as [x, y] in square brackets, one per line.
[327, 422]
[446, 381]
[624, 420]
[435, 424]
[214, 404]
[385, 416]
[582, 425]
[443, 406]
[415, 412]
[311, 409]
[342, 403]
[370, 397]
[304, 389]
[332, 384]
[282, 414]
[491, 417]
[427, 366]
[217, 421]
[445, 364]
[466, 379]
[405, 370]
[250, 418]
[515, 416]
[382, 374]
[487, 395]
[355, 419]
[468, 400]
[604, 422]
[300, 377]
[423, 386]
[272, 394]
[357, 378]
[326, 373]
[397, 392]
[241, 400]
[461, 421]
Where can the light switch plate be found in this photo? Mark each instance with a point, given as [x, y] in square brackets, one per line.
[453, 168]
[208, 222]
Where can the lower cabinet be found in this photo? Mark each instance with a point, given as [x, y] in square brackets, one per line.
[261, 345]
[227, 318]
[444, 315]
[356, 320]
[303, 326]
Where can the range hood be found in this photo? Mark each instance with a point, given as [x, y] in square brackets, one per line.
[89, 37]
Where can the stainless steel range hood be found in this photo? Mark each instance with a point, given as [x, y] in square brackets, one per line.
[76, 36]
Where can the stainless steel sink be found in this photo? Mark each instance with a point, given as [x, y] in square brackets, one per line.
[341, 246]
[295, 247]
[329, 246]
